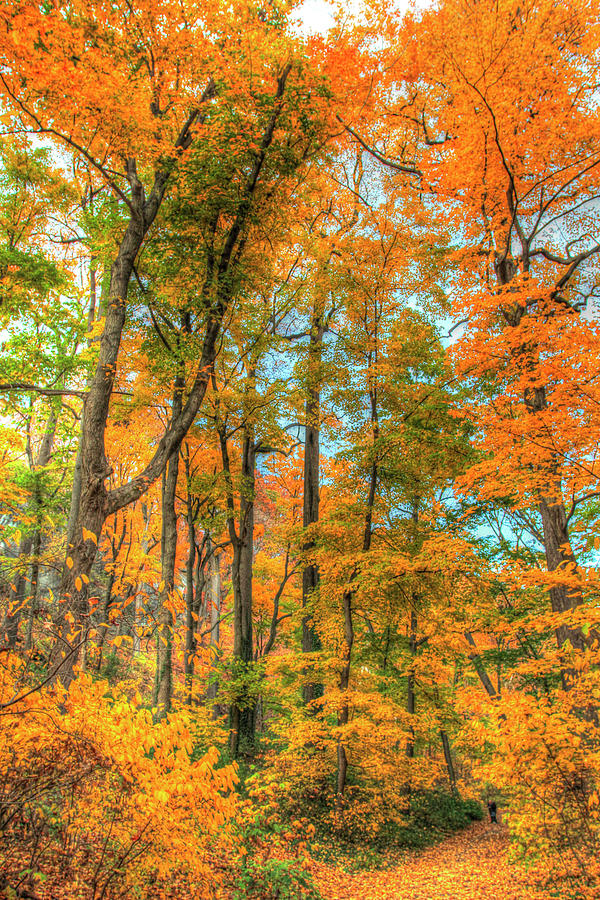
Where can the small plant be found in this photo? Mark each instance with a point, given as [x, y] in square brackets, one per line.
[272, 862]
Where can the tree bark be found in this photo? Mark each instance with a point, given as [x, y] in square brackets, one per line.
[344, 683]
[91, 502]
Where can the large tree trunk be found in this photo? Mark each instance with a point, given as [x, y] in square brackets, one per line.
[77, 471]
[310, 513]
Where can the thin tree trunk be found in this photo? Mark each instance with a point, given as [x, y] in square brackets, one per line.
[241, 712]
[344, 682]
[166, 622]
[449, 762]
[168, 555]
[276, 619]
[479, 667]
[140, 586]
[104, 616]
[190, 604]
[410, 688]
[214, 612]
[311, 643]
[14, 614]
[35, 579]
[243, 709]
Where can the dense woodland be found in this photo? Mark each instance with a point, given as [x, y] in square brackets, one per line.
[299, 419]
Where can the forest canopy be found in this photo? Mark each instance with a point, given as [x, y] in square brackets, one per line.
[299, 417]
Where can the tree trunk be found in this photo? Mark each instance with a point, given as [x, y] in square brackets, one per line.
[449, 762]
[90, 502]
[35, 580]
[104, 625]
[242, 715]
[190, 604]
[410, 687]
[310, 513]
[344, 682]
[77, 471]
[556, 540]
[141, 587]
[480, 668]
[213, 602]
[166, 621]
[14, 613]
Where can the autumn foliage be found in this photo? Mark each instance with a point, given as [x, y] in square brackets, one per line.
[299, 478]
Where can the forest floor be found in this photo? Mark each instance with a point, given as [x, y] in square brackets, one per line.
[470, 865]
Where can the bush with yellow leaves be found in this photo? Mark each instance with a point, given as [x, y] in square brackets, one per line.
[96, 798]
[544, 752]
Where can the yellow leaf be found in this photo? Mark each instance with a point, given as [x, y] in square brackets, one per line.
[89, 536]
[78, 583]
[69, 562]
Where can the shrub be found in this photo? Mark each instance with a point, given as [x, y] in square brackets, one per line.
[96, 798]
[272, 863]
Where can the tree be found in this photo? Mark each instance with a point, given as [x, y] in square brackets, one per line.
[145, 113]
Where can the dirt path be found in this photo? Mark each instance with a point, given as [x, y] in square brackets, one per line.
[471, 865]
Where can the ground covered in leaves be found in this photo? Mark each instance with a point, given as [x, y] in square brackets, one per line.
[471, 864]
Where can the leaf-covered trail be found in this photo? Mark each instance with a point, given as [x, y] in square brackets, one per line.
[470, 865]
